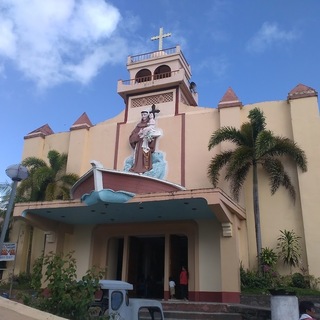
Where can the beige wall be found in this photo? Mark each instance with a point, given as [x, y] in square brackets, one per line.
[209, 250]
[278, 212]
[306, 132]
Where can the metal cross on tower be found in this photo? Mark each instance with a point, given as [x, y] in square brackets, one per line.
[160, 37]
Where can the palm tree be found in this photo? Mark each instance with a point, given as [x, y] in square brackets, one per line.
[5, 190]
[255, 146]
[46, 182]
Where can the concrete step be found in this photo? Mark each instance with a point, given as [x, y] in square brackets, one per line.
[178, 309]
[189, 310]
[181, 315]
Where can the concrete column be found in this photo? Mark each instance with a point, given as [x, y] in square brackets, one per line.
[284, 307]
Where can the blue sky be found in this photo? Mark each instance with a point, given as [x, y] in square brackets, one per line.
[60, 58]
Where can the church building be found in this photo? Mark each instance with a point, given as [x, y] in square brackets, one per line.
[144, 206]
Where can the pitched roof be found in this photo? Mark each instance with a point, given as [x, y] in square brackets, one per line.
[229, 99]
[83, 122]
[302, 91]
[43, 131]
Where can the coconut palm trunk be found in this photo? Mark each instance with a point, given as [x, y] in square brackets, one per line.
[256, 211]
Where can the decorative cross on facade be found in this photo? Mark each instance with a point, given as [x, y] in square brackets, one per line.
[154, 110]
[160, 37]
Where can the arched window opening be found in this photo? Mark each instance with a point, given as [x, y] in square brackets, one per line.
[143, 75]
[162, 72]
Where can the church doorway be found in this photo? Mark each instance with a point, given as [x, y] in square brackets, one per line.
[178, 258]
[146, 266]
[146, 262]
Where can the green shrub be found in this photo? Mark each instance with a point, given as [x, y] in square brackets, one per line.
[65, 296]
[252, 279]
[268, 257]
[22, 280]
[36, 275]
[298, 281]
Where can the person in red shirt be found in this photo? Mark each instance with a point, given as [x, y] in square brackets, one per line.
[184, 283]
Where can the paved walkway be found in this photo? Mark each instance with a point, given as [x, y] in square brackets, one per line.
[11, 310]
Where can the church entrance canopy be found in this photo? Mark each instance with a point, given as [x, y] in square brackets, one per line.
[153, 207]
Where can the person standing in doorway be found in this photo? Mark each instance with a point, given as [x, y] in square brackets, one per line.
[172, 288]
[184, 276]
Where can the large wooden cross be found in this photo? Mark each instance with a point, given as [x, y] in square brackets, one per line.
[160, 37]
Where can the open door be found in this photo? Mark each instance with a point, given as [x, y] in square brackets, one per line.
[146, 266]
[178, 258]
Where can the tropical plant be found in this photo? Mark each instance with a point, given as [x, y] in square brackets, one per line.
[66, 297]
[268, 257]
[5, 190]
[46, 182]
[290, 249]
[255, 146]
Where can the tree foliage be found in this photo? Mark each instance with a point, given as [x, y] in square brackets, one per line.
[254, 146]
[66, 297]
[46, 182]
[5, 190]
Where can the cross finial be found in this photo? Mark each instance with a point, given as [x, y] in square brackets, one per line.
[160, 37]
[154, 110]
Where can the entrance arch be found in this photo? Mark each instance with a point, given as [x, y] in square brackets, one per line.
[146, 256]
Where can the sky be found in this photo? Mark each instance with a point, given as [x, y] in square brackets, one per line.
[60, 58]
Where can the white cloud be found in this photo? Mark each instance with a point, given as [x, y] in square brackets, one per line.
[7, 38]
[55, 41]
[217, 66]
[268, 35]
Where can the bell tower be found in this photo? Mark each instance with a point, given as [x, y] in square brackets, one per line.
[161, 78]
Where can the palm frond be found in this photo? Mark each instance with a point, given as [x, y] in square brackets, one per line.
[278, 176]
[257, 120]
[216, 164]
[64, 193]
[43, 176]
[284, 146]
[265, 142]
[69, 179]
[50, 192]
[237, 179]
[33, 163]
[225, 134]
[57, 161]
[240, 157]
[286, 182]
[247, 136]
